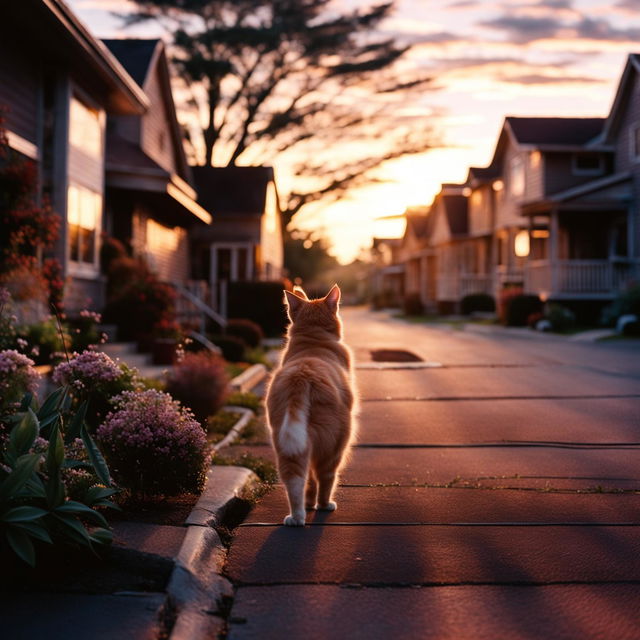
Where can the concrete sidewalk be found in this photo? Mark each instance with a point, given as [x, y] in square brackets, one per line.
[482, 501]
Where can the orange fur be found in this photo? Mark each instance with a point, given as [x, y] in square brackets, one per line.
[311, 402]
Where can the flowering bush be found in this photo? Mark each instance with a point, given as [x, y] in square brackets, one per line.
[247, 330]
[141, 305]
[94, 376]
[200, 382]
[83, 329]
[153, 445]
[17, 377]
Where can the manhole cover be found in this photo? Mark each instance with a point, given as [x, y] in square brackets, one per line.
[394, 355]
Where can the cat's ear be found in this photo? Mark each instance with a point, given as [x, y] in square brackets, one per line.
[294, 304]
[332, 299]
[299, 291]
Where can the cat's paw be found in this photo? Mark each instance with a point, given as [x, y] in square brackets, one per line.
[330, 506]
[293, 521]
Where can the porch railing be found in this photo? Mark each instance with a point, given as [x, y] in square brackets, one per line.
[456, 286]
[586, 277]
[193, 304]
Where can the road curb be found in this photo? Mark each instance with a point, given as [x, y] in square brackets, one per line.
[249, 378]
[236, 430]
[197, 589]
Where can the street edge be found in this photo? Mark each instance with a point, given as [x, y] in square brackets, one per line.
[197, 587]
[249, 378]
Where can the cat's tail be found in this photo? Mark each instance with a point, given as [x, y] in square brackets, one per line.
[293, 437]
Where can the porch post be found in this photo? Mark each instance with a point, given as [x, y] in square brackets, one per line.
[554, 242]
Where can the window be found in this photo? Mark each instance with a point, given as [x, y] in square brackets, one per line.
[517, 177]
[85, 129]
[587, 164]
[84, 208]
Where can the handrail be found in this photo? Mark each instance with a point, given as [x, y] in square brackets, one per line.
[194, 300]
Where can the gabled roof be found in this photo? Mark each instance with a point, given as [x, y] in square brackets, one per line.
[233, 190]
[554, 131]
[139, 57]
[479, 175]
[417, 223]
[456, 208]
[56, 33]
[134, 55]
[632, 67]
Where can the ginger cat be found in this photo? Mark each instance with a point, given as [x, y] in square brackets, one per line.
[310, 404]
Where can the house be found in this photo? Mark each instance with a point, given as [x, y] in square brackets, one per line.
[592, 226]
[449, 249]
[556, 212]
[150, 193]
[387, 272]
[58, 84]
[412, 251]
[246, 241]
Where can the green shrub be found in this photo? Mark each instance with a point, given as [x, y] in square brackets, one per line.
[262, 302]
[247, 330]
[233, 349]
[412, 305]
[200, 382]
[627, 302]
[631, 329]
[245, 399]
[477, 302]
[43, 337]
[561, 318]
[520, 307]
[49, 489]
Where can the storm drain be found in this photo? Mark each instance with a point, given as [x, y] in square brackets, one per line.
[394, 355]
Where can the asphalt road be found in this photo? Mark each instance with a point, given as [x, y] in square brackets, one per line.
[494, 493]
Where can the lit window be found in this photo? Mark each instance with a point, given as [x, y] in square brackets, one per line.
[85, 130]
[534, 159]
[516, 186]
[84, 209]
[521, 244]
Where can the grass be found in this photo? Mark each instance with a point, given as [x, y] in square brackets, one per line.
[220, 424]
[245, 399]
[264, 469]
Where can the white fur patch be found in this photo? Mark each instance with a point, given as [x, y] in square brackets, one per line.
[293, 433]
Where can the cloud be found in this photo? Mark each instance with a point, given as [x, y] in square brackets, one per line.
[541, 79]
[630, 6]
[523, 29]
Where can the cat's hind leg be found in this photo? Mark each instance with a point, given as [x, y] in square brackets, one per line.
[311, 492]
[294, 474]
[327, 477]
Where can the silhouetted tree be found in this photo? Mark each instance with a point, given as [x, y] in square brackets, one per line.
[269, 76]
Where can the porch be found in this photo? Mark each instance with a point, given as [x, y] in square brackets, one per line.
[456, 286]
[579, 278]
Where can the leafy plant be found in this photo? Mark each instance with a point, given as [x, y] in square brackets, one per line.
[412, 305]
[35, 506]
[233, 349]
[561, 318]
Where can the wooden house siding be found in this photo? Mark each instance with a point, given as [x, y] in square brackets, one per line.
[165, 249]
[534, 163]
[508, 209]
[20, 80]
[481, 211]
[156, 139]
[560, 174]
[629, 119]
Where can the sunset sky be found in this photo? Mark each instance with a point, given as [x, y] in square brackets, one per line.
[488, 60]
